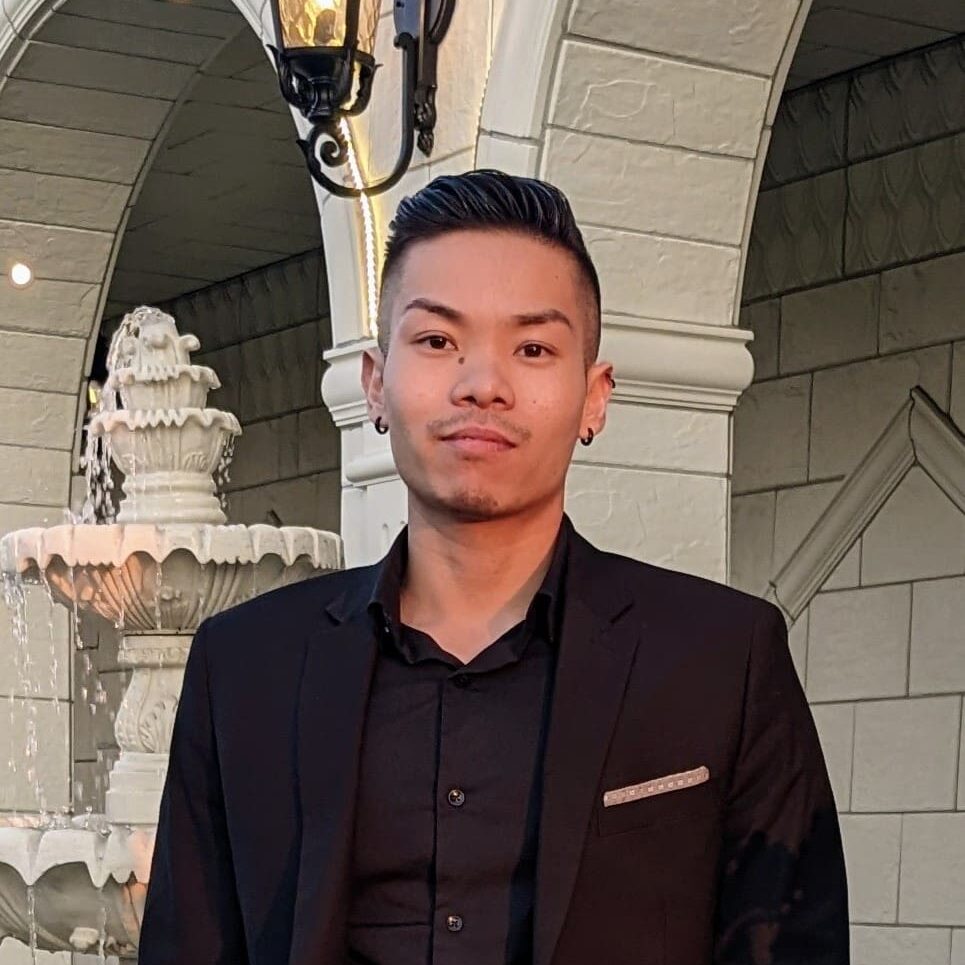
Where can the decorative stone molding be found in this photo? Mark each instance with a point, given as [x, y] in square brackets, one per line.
[522, 69]
[679, 363]
[919, 434]
[373, 467]
[342, 382]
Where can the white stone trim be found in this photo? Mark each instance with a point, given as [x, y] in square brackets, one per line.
[919, 434]
[22, 18]
[677, 363]
[372, 467]
[529, 36]
[939, 448]
[342, 383]
[784, 65]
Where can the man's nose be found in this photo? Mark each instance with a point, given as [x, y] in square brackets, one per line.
[484, 377]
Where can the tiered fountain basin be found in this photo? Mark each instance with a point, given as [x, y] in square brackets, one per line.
[82, 887]
[78, 887]
[149, 578]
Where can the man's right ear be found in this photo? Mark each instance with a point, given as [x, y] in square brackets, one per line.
[372, 364]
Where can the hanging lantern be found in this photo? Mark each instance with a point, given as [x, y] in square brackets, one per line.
[324, 54]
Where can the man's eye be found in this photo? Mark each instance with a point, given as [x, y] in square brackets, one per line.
[438, 338]
[542, 349]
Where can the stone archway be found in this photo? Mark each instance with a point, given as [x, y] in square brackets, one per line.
[88, 91]
[655, 120]
[65, 197]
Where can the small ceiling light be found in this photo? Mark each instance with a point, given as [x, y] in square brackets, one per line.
[324, 54]
[21, 275]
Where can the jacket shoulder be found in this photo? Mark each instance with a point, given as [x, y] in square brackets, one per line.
[681, 593]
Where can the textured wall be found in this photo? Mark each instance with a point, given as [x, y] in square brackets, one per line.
[855, 287]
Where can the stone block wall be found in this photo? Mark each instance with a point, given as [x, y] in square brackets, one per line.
[264, 335]
[855, 291]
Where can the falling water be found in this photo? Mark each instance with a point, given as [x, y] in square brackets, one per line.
[99, 501]
[15, 597]
[11, 598]
[32, 918]
[157, 595]
[53, 661]
[73, 596]
[102, 926]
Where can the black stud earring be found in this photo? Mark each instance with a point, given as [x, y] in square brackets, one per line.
[379, 428]
[589, 438]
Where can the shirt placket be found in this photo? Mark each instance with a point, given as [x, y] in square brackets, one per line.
[453, 922]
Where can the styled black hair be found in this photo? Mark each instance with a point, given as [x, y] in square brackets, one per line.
[495, 200]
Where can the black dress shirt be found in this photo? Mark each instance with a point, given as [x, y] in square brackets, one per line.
[447, 813]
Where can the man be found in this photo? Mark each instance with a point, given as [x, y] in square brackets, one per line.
[499, 743]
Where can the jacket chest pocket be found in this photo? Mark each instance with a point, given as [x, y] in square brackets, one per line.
[696, 802]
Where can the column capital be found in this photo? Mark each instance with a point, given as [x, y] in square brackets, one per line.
[662, 362]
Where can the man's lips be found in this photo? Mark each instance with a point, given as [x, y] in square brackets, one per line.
[488, 435]
[478, 440]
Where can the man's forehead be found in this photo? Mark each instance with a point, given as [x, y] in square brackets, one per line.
[442, 268]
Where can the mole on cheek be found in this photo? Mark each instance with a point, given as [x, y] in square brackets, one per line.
[461, 361]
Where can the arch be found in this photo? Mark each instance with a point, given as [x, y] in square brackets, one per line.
[654, 118]
[76, 297]
[69, 226]
[683, 95]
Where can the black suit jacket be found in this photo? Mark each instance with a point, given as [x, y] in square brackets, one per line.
[659, 672]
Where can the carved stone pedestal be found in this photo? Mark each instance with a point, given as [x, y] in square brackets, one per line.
[144, 724]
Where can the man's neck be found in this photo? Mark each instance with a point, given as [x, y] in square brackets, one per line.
[478, 574]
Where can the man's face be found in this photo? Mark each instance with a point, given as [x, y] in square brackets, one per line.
[487, 330]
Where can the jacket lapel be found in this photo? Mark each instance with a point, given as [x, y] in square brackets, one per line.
[334, 690]
[597, 645]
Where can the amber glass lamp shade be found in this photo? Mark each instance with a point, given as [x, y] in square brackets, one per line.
[328, 23]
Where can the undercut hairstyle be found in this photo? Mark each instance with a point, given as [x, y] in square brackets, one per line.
[490, 200]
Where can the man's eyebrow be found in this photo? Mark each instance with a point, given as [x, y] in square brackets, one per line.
[541, 317]
[434, 308]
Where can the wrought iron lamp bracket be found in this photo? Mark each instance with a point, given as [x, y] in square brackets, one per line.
[318, 85]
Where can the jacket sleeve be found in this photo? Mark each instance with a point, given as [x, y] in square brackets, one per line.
[783, 889]
[191, 911]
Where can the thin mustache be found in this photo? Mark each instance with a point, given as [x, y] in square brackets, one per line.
[513, 435]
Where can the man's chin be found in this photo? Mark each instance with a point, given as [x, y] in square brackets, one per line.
[464, 504]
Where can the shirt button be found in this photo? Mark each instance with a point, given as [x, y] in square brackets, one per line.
[457, 797]
[454, 923]
[461, 680]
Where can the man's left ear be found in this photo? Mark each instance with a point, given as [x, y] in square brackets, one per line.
[599, 388]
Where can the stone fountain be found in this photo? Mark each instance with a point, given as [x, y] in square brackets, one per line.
[156, 569]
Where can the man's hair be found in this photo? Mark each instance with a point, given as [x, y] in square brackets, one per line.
[489, 200]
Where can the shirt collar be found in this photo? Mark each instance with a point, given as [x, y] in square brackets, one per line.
[544, 613]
